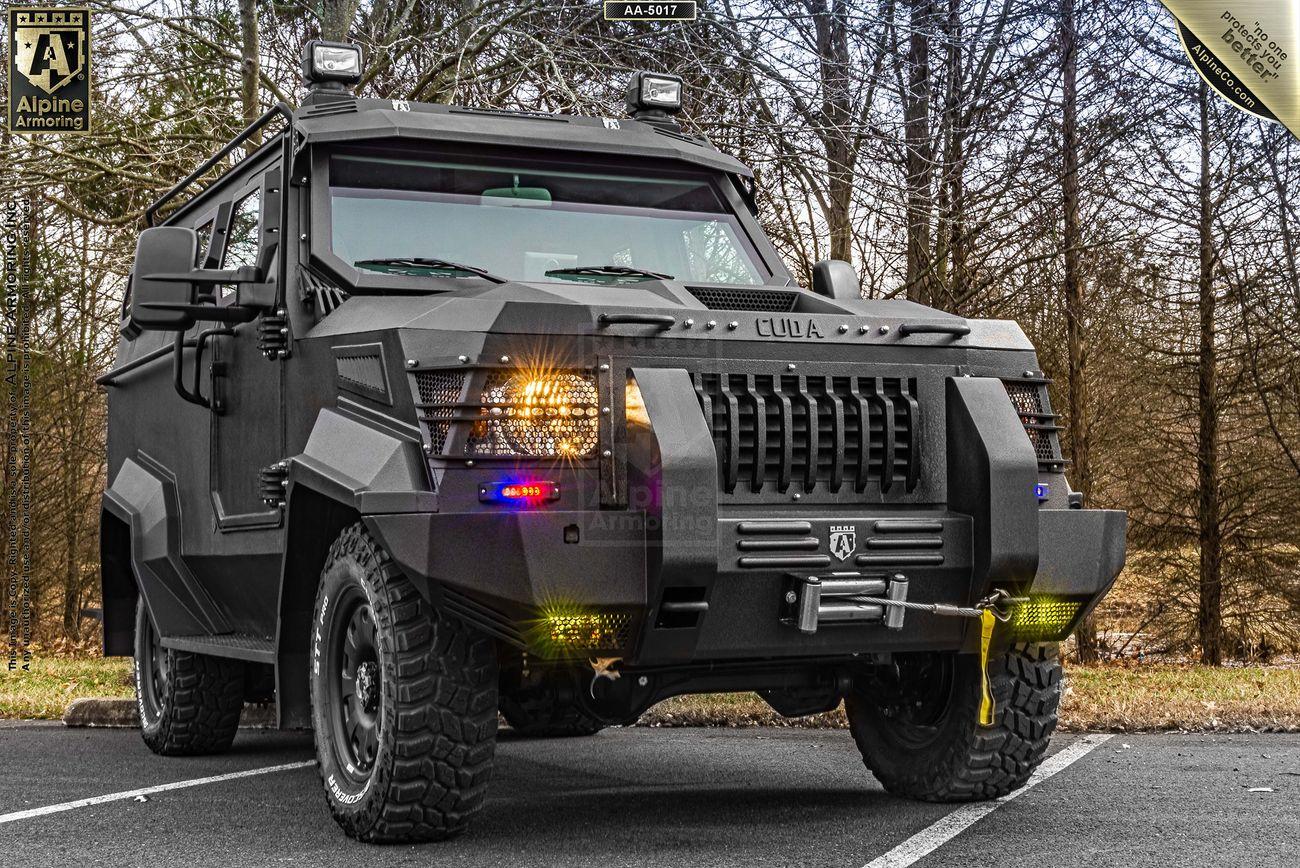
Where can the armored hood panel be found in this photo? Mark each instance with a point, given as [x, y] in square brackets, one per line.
[368, 119]
[551, 308]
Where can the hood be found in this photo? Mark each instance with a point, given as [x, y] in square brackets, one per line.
[699, 312]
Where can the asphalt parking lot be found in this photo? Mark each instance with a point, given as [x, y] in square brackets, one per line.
[661, 797]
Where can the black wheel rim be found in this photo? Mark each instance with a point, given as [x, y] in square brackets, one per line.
[920, 701]
[355, 680]
[154, 668]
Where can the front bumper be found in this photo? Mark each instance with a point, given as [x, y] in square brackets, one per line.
[685, 579]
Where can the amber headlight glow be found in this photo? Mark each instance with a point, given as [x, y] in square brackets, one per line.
[538, 415]
[635, 404]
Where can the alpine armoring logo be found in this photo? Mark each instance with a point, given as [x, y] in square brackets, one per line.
[843, 540]
[49, 70]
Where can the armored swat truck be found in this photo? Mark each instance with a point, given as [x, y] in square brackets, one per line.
[424, 414]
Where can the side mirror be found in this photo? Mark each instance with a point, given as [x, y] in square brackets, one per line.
[157, 305]
[836, 279]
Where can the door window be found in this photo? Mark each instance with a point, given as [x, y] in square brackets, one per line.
[242, 242]
[242, 239]
[205, 239]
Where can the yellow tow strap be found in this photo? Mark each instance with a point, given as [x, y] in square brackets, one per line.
[987, 620]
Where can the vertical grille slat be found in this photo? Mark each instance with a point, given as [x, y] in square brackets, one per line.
[837, 426]
[913, 410]
[810, 401]
[731, 462]
[864, 437]
[887, 415]
[785, 467]
[760, 434]
[811, 432]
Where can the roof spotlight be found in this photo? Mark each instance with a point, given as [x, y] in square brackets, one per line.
[331, 64]
[654, 95]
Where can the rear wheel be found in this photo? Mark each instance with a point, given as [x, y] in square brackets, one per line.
[403, 701]
[189, 703]
[919, 733]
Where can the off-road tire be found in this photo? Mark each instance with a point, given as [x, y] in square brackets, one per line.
[435, 714]
[190, 704]
[536, 714]
[956, 759]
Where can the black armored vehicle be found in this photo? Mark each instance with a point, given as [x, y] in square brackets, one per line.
[424, 414]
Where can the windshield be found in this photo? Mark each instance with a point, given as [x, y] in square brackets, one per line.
[521, 222]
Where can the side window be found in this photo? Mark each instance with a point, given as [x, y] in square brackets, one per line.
[242, 241]
[205, 238]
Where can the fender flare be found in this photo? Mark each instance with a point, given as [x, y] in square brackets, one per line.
[347, 470]
[143, 496]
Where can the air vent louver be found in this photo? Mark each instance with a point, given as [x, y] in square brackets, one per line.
[736, 298]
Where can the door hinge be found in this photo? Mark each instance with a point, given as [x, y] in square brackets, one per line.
[273, 335]
[272, 482]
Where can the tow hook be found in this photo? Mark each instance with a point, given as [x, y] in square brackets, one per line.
[613, 698]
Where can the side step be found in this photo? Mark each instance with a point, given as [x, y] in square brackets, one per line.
[240, 646]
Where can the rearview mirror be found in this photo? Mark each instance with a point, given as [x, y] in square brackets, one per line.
[836, 279]
[162, 250]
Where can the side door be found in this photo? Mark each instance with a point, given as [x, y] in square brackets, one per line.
[247, 387]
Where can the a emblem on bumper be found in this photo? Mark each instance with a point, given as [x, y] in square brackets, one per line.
[843, 540]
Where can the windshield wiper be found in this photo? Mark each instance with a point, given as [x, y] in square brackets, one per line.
[612, 271]
[393, 264]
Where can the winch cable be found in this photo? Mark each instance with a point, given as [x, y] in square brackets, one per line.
[999, 604]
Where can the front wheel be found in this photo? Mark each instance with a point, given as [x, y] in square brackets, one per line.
[404, 701]
[919, 734]
[189, 703]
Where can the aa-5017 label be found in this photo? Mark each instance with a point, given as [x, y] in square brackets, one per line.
[49, 70]
[685, 11]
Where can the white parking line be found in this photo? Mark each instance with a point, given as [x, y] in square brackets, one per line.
[146, 791]
[934, 836]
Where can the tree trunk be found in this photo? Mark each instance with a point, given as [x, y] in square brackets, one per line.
[1076, 335]
[336, 19]
[916, 130]
[949, 271]
[249, 68]
[1210, 615]
[836, 131]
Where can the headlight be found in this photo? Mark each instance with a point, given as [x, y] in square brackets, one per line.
[331, 61]
[542, 415]
[652, 91]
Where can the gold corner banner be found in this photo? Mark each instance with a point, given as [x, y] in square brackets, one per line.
[1248, 51]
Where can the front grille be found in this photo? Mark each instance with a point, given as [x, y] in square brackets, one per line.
[1031, 404]
[777, 432]
[441, 388]
[733, 298]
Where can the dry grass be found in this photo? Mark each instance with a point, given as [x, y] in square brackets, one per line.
[53, 682]
[1117, 697]
[1169, 696]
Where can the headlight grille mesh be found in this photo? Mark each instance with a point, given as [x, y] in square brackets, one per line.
[552, 415]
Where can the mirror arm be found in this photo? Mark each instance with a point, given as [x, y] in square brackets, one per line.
[230, 314]
[243, 274]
